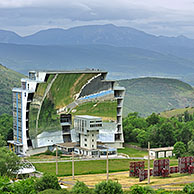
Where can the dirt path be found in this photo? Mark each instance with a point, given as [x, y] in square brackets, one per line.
[175, 182]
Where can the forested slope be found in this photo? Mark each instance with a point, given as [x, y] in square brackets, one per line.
[147, 95]
[8, 80]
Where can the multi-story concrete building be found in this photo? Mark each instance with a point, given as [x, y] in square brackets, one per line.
[46, 105]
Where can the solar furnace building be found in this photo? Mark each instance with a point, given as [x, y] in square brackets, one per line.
[45, 106]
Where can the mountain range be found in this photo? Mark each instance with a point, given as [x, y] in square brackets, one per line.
[125, 52]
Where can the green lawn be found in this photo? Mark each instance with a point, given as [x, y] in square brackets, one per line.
[132, 152]
[90, 167]
[84, 167]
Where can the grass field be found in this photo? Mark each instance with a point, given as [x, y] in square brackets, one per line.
[132, 152]
[90, 167]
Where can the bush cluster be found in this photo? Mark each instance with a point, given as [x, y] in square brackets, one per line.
[48, 184]
[161, 132]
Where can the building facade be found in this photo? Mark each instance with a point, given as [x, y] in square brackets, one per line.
[48, 103]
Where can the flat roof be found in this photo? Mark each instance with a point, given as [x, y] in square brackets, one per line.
[70, 71]
[87, 117]
[119, 88]
[15, 143]
[67, 144]
[162, 149]
[22, 90]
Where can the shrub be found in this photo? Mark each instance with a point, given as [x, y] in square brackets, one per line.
[148, 190]
[23, 187]
[189, 188]
[4, 184]
[136, 189]
[80, 188]
[53, 191]
[59, 153]
[48, 152]
[109, 187]
[48, 181]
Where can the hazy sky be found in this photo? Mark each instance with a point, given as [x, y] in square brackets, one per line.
[160, 17]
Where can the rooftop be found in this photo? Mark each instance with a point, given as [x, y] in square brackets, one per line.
[162, 149]
[70, 71]
[67, 144]
[87, 117]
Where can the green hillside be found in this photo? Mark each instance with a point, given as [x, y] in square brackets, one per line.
[147, 95]
[177, 112]
[8, 80]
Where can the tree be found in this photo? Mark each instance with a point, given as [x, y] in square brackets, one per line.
[191, 147]
[2, 141]
[80, 188]
[153, 119]
[6, 122]
[9, 162]
[143, 138]
[135, 133]
[185, 134]
[131, 122]
[179, 149]
[48, 181]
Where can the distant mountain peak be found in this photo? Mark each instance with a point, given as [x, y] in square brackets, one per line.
[182, 37]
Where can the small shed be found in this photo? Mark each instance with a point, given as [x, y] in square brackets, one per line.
[161, 152]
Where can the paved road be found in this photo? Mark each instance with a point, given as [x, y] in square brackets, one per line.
[87, 159]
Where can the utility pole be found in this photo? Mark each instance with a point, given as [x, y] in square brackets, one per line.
[148, 162]
[57, 160]
[107, 171]
[72, 165]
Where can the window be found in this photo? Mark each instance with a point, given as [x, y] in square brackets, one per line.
[93, 146]
[98, 121]
[85, 139]
[92, 140]
[85, 145]
[96, 125]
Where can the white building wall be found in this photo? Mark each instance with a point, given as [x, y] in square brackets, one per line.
[152, 154]
[169, 153]
[40, 76]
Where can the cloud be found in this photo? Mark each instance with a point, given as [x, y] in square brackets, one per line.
[166, 17]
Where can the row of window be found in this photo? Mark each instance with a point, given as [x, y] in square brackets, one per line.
[96, 121]
[86, 145]
[86, 140]
[96, 125]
